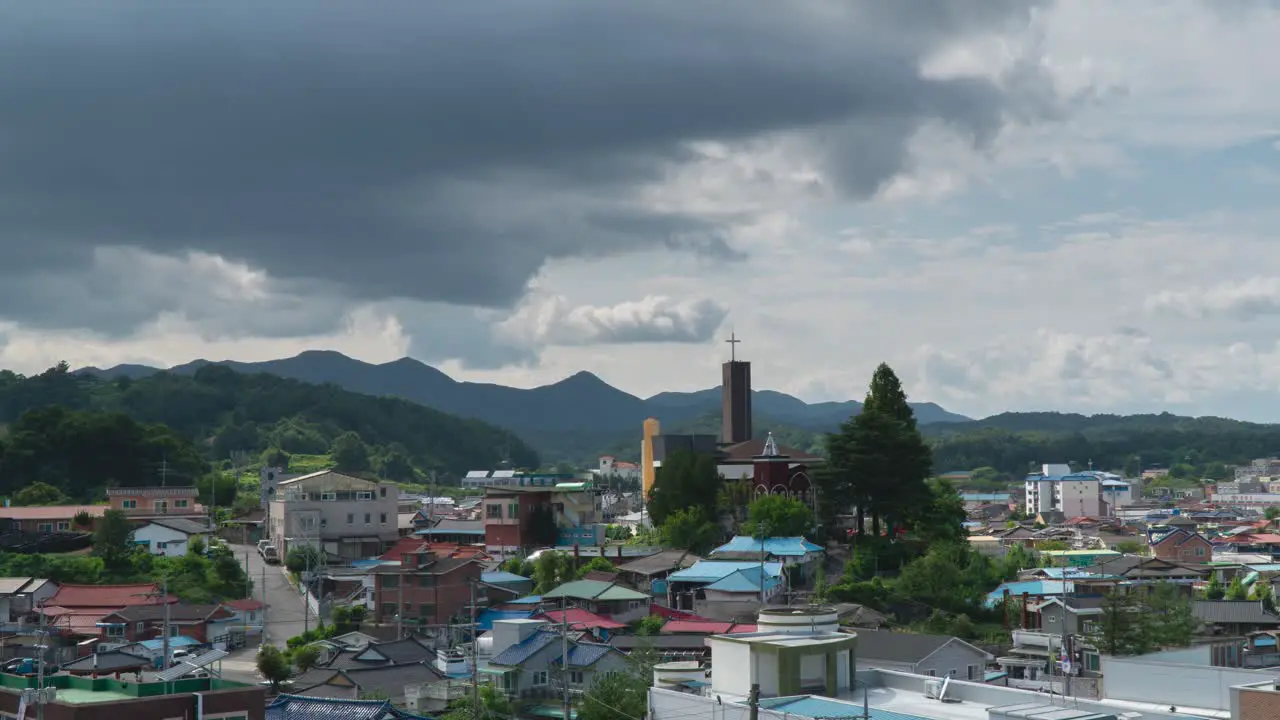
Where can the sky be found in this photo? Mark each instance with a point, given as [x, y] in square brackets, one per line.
[1018, 205]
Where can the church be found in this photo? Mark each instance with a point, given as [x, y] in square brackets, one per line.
[772, 469]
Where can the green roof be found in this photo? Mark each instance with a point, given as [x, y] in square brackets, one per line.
[593, 590]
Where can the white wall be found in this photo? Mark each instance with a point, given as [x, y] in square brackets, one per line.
[1138, 679]
[175, 543]
[732, 673]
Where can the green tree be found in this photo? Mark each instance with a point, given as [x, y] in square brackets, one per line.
[113, 540]
[1236, 590]
[1215, 591]
[941, 517]
[493, 704]
[276, 458]
[39, 493]
[878, 461]
[685, 480]
[1131, 547]
[595, 564]
[272, 665]
[552, 569]
[778, 516]
[1272, 512]
[820, 584]
[616, 695]
[650, 625]
[949, 577]
[1167, 616]
[1120, 630]
[306, 657]
[395, 464]
[691, 529]
[301, 557]
[349, 453]
[1262, 592]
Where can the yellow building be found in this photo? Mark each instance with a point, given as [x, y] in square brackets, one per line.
[647, 472]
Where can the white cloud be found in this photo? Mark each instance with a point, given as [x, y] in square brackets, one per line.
[552, 320]
[1244, 300]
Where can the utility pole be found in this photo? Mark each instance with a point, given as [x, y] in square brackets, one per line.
[264, 604]
[400, 602]
[564, 653]
[164, 598]
[306, 570]
[164, 469]
[42, 644]
[753, 701]
[475, 681]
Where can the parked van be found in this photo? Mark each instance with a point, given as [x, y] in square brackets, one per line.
[271, 555]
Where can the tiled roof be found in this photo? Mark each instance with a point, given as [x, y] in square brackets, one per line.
[11, 585]
[662, 562]
[524, 649]
[752, 448]
[390, 680]
[585, 655]
[178, 612]
[402, 546]
[661, 642]
[580, 619]
[243, 605]
[294, 707]
[182, 525]
[1249, 612]
[112, 596]
[780, 546]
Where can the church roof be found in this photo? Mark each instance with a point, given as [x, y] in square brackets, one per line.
[751, 448]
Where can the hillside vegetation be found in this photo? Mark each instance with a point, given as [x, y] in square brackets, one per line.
[224, 412]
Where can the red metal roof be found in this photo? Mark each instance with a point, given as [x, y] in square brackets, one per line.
[245, 605]
[112, 597]
[577, 618]
[1255, 539]
[701, 627]
[672, 614]
[51, 512]
[402, 546]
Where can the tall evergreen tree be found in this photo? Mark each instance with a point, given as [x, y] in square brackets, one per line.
[685, 480]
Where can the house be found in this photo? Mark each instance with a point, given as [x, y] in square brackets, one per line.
[579, 619]
[20, 596]
[1069, 615]
[784, 664]
[344, 516]
[453, 530]
[405, 651]
[920, 654]
[531, 516]
[1235, 618]
[248, 615]
[1182, 545]
[667, 648]
[424, 587]
[686, 587]
[518, 585]
[291, 707]
[791, 551]
[649, 573]
[204, 623]
[153, 502]
[606, 599]
[528, 659]
[168, 537]
[738, 594]
[114, 662]
[54, 518]
[76, 609]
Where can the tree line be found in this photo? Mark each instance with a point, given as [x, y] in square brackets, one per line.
[222, 411]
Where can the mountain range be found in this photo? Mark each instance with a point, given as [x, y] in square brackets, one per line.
[577, 415]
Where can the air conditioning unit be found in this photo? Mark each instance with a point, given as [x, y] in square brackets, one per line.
[932, 688]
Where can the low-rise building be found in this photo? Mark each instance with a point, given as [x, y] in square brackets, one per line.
[51, 518]
[89, 698]
[149, 502]
[204, 623]
[522, 517]
[607, 599]
[169, 536]
[922, 654]
[343, 516]
[529, 662]
[1182, 545]
[20, 596]
[424, 587]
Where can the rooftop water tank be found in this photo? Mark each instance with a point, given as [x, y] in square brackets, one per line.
[798, 620]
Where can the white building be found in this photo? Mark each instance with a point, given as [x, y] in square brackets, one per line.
[609, 466]
[1090, 494]
[168, 537]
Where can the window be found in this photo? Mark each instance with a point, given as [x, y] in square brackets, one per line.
[493, 512]
[424, 581]
[540, 677]
[173, 630]
[162, 545]
[1052, 619]
[129, 504]
[116, 631]
[382, 492]
[973, 672]
[329, 496]
[160, 506]
[44, 527]
[390, 581]
[1200, 551]
[382, 518]
[367, 520]
[351, 518]
[930, 673]
[575, 677]
[64, 525]
[364, 496]
[180, 503]
[324, 522]
[513, 511]
[141, 626]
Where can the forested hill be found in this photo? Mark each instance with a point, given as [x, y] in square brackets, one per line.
[1013, 442]
[225, 411]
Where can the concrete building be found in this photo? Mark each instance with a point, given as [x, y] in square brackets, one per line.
[1073, 494]
[148, 502]
[521, 518]
[344, 516]
[22, 595]
[783, 664]
[920, 654]
[52, 518]
[109, 698]
[611, 467]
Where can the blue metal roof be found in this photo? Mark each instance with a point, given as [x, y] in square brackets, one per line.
[523, 650]
[810, 706]
[744, 580]
[526, 600]
[781, 546]
[174, 643]
[486, 618]
[713, 570]
[1030, 587]
[984, 497]
[501, 576]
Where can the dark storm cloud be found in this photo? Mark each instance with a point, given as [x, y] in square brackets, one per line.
[437, 151]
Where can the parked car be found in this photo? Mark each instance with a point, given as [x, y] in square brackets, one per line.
[271, 555]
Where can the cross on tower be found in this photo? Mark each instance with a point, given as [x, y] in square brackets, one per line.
[733, 346]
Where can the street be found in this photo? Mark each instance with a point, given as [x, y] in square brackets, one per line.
[284, 612]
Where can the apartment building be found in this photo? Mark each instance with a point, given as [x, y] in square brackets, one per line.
[1089, 494]
[425, 587]
[517, 518]
[344, 516]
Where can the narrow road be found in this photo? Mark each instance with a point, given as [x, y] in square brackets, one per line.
[285, 606]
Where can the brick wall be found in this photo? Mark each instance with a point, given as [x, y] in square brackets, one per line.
[1256, 705]
[443, 596]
